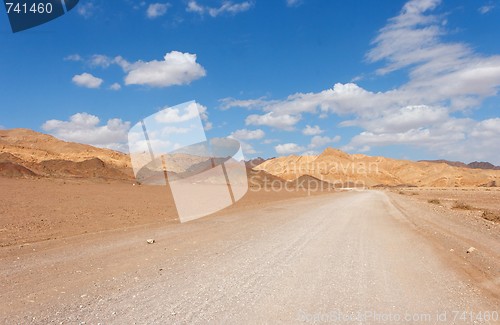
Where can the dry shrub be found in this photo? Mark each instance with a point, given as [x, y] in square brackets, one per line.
[434, 201]
[462, 206]
[408, 193]
[491, 216]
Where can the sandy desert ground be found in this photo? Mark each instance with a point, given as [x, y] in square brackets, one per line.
[33, 210]
[484, 202]
[283, 257]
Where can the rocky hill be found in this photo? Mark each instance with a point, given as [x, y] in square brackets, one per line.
[345, 170]
[475, 164]
[26, 153]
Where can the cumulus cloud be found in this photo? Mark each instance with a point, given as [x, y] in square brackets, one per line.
[285, 121]
[86, 128]
[99, 60]
[248, 149]
[456, 138]
[445, 80]
[174, 115]
[193, 6]
[318, 141]
[226, 7]
[157, 10]
[177, 115]
[245, 134]
[86, 9]
[485, 9]
[398, 120]
[207, 125]
[288, 148]
[312, 130]
[269, 141]
[73, 57]
[293, 3]
[87, 80]
[176, 68]
[227, 103]
[115, 86]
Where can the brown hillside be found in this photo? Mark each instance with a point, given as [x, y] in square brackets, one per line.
[342, 169]
[26, 153]
[10, 169]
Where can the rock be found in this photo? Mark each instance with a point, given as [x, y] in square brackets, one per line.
[452, 250]
[150, 241]
[470, 250]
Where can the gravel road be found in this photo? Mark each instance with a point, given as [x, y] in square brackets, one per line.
[346, 258]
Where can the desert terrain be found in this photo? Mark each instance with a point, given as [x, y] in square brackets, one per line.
[74, 227]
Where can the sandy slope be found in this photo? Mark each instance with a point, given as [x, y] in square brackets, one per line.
[280, 262]
[339, 167]
[33, 210]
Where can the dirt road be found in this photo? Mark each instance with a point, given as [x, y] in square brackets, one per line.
[352, 257]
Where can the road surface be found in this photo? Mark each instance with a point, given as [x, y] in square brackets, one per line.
[346, 258]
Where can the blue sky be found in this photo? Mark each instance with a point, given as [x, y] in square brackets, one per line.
[404, 79]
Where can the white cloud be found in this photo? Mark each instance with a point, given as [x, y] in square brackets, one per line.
[87, 80]
[177, 68]
[229, 7]
[229, 102]
[226, 7]
[85, 128]
[207, 126]
[269, 141]
[312, 130]
[193, 6]
[247, 148]
[99, 60]
[455, 139]
[121, 62]
[174, 130]
[157, 10]
[173, 115]
[319, 141]
[288, 148]
[86, 9]
[445, 80]
[285, 121]
[244, 134]
[485, 9]
[178, 115]
[115, 86]
[293, 3]
[398, 120]
[73, 57]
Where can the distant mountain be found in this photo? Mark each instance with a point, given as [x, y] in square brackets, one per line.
[254, 162]
[451, 163]
[28, 154]
[25, 153]
[483, 165]
[345, 170]
[475, 164]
